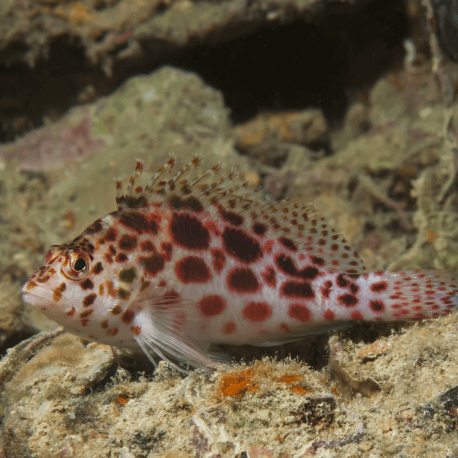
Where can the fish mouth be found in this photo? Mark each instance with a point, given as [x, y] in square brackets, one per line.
[35, 300]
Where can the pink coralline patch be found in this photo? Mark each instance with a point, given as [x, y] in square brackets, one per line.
[48, 147]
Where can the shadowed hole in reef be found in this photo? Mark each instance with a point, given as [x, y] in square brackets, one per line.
[14, 340]
[258, 66]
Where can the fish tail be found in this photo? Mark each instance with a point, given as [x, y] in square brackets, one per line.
[410, 295]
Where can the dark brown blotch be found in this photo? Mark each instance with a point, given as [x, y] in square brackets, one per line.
[121, 257]
[138, 222]
[128, 275]
[153, 264]
[89, 299]
[94, 227]
[123, 294]
[127, 316]
[87, 284]
[127, 242]
[86, 313]
[190, 203]
[116, 310]
[98, 268]
[110, 235]
[57, 293]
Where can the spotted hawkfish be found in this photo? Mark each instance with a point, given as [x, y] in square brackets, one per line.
[197, 258]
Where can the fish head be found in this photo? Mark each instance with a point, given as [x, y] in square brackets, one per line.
[87, 287]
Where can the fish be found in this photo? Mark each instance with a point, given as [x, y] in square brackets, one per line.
[197, 258]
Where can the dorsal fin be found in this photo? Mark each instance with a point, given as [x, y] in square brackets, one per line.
[191, 189]
[300, 221]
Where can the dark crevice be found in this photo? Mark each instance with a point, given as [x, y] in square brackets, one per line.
[258, 66]
[14, 340]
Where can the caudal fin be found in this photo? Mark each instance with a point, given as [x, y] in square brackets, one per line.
[412, 294]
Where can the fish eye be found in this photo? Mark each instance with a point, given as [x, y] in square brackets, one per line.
[80, 265]
[77, 265]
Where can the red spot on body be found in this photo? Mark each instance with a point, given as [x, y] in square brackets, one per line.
[89, 299]
[127, 316]
[153, 264]
[257, 311]
[377, 306]
[212, 305]
[192, 269]
[318, 261]
[326, 289]
[269, 276]
[166, 250]
[71, 312]
[379, 287]
[348, 300]
[136, 330]
[84, 322]
[127, 242]
[329, 315]
[268, 246]
[354, 288]
[297, 289]
[259, 229]
[356, 316]
[241, 246]
[231, 217]
[212, 226]
[286, 264]
[288, 243]
[299, 312]
[284, 327]
[112, 250]
[242, 280]
[341, 281]
[219, 259]
[188, 232]
[229, 328]
[147, 246]
[112, 332]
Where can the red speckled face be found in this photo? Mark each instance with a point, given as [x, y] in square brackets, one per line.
[86, 286]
